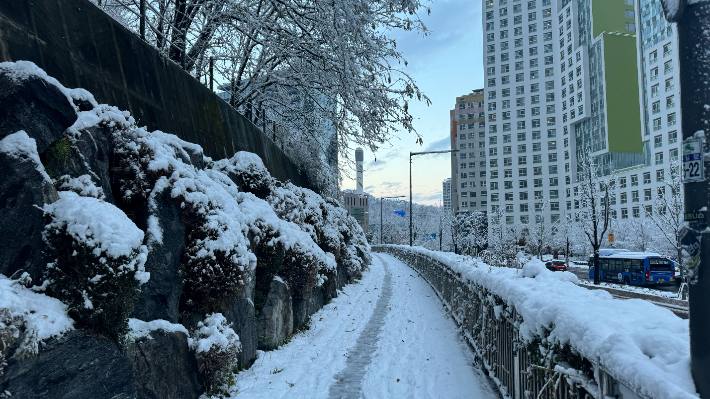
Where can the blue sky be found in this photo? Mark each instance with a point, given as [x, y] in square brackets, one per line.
[445, 65]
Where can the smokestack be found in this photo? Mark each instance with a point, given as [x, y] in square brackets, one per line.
[358, 161]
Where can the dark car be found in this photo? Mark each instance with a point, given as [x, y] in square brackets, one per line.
[556, 265]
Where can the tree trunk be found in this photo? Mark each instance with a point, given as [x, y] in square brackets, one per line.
[596, 266]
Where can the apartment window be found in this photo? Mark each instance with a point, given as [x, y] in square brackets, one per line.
[551, 121]
[657, 124]
[670, 102]
[504, 57]
[647, 194]
[535, 87]
[508, 185]
[657, 141]
[652, 57]
[673, 154]
[554, 182]
[537, 147]
[667, 49]
[522, 160]
[623, 198]
[634, 180]
[518, 20]
[668, 66]
[671, 119]
[550, 110]
[494, 185]
[659, 158]
[624, 213]
[622, 182]
[656, 107]
[654, 91]
[507, 161]
[537, 170]
[654, 74]
[552, 145]
[493, 151]
[659, 175]
[646, 177]
[635, 196]
[636, 212]
[491, 94]
[669, 84]
[522, 172]
[552, 169]
[552, 157]
[537, 158]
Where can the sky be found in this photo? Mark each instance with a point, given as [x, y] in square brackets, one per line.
[445, 65]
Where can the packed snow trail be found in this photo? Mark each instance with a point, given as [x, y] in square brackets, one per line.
[386, 336]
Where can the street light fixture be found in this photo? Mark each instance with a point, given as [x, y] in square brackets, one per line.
[411, 154]
[383, 198]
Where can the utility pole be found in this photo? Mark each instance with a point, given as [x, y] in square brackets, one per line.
[381, 201]
[693, 27]
[142, 19]
[411, 154]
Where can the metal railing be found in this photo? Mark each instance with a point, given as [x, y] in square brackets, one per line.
[519, 368]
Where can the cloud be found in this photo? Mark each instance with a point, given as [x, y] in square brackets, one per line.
[438, 145]
[391, 185]
[369, 188]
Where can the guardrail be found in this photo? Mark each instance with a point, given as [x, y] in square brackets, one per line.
[521, 369]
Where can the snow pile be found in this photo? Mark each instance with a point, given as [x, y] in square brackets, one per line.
[642, 345]
[27, 317]
[216, 347]
[24, 148]
[140, 328]
[82, 185]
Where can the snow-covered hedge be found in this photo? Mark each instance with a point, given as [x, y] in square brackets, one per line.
[642, 345]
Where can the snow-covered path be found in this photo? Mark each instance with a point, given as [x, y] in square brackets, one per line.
[385, 337]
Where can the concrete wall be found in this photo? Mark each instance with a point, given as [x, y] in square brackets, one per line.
[78, 44]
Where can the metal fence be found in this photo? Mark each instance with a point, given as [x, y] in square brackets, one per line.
[520, 369]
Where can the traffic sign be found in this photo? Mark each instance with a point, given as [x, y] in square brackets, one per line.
[693, 160]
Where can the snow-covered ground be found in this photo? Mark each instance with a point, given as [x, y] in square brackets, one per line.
[387, 336]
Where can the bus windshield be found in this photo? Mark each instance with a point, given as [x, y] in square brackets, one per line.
[660, 265]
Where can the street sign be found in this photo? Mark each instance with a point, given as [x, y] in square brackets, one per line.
[400, 213]
[693, 160]
[611, 237]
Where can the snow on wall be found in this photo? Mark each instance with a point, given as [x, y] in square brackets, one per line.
[639, 343]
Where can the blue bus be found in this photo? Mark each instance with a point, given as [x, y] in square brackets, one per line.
[633, 268]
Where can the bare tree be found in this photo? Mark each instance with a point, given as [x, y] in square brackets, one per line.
[503, 237]
[668, 213]
[542, 234]
[595, 191]
[315, 69]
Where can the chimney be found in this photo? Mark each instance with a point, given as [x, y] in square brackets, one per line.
[358, 161]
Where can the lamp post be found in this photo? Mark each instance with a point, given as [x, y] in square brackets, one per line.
[381, 200]
[411, 154]
[692, 20]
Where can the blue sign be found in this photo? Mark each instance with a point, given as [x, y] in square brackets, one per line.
[400, 213]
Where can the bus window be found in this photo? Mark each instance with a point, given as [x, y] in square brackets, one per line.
[637, 265]
[627, 265]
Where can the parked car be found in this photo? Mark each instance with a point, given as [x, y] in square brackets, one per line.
[555, 265]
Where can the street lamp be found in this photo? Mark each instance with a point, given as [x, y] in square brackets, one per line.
[383, 198]
[411, 154]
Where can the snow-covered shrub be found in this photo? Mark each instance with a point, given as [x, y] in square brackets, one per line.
[216, 261]
[249, 173]
[216, 347]
[82, 185]
[96, 262]
[26, 318]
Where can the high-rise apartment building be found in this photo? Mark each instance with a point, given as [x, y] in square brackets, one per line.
[447, 194]
[566, 78]
[468, 164]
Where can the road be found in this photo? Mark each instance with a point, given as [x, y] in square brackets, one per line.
[387, 336]
[680, 308]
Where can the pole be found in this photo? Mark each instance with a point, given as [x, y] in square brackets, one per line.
[212, 73]
[693, 27]
[142, 22]
[410, 199]
[381, 200]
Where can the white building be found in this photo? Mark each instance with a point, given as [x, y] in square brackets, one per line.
[447, 194]
[568, 77]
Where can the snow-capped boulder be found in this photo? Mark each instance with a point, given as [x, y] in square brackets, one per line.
[241, 315]
[163, 365]
[33, 102]
[24, 186]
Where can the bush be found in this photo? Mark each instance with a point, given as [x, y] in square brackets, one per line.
[216, 347]
[96, 262]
